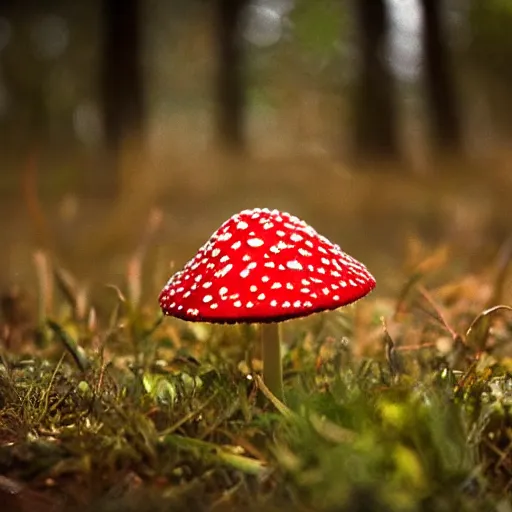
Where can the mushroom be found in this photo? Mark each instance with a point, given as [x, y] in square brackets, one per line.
[264, 266]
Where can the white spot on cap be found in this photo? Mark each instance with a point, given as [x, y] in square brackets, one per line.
[242, 225]
[295, 237]
[223, 291]
[255, 242]
[207, 298]
[276, 286]
[222, 272]
[294, 265]
[225, 237]
[236, 245]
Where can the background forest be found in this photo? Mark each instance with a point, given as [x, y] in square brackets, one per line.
[201, 108]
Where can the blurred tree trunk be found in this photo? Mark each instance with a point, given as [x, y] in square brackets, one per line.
[28, 121]
[122, 85]
[230, 82]
[440, 88]
[123, 101]
[376, 117]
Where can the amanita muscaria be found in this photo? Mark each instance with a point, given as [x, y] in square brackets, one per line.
[265, 266]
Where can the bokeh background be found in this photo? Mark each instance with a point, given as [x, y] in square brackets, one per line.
[129, 131]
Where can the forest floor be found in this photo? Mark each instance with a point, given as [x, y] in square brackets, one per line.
[400, 402]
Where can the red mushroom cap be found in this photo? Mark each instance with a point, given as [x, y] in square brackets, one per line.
[264, 266]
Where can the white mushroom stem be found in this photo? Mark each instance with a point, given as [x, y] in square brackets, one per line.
[271, 354]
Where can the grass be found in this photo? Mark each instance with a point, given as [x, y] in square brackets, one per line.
[395, 404]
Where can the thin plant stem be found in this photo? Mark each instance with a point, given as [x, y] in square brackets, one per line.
[271, 354]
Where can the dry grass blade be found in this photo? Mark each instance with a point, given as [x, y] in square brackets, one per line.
[404, 294]
[47, 391]
[120, 295]
[134, 268]
[502, 269]
[75, 350]
[439, 315]
[391, 354]
[219, 454]
[67, 286]
[280, 406]
[478, 332]
[45, 284]
[185, 419]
